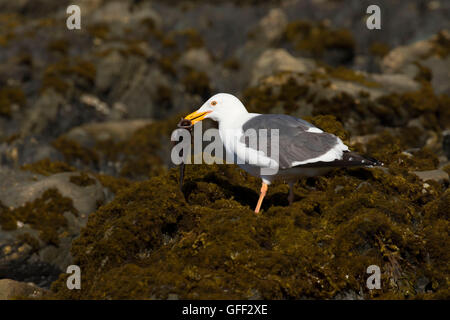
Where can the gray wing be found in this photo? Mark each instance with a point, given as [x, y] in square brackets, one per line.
[295, 142]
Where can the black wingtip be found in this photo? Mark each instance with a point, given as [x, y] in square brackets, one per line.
[355, 159]
[373, 162]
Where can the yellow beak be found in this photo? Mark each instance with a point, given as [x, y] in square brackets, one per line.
[196, 116]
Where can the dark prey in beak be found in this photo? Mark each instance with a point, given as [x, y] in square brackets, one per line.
[183, 124]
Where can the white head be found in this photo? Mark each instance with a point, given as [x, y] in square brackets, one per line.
[218, 108]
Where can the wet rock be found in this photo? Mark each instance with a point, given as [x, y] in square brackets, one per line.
[349, 295]
[397, 83]
[116, 131]
[412, 59]
[198, 58]
[43, 113]
[400, 58]
[137, 88]
[113, 12]
[20, 188]
[215, 229]
[21, 151]
[440, 77]
[109, 70]
[273, 61]
[271, 27]
[123, 12]
[422, 285]
[87, 6]
[10, 289]
[436, 175]
[40, 218]
[446, 143]
[137, 65]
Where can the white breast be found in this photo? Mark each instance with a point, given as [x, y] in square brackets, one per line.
[231, 133]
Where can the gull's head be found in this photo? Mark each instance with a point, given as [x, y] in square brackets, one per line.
[219, 107]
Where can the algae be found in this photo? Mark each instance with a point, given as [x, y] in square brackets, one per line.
[142, 154]
[197, 82]
[423, 102]
[73, 151]
[351, 75]
[82, 180]
[66, 73]
[99, 30]
[113, 183]
[390, 150]
[329, 124]
[59, 45]
[232, 64]
[166, 65]
[193, 38]
[9, 96]
[27, 238]
[8, 23]
[44, 214]
[379, 49]
[447, 169]
[47, 167]
[317, 38]
[208, 244]
[441, 44]
[292, 92]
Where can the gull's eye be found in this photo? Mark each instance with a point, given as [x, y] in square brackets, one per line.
[213, 103]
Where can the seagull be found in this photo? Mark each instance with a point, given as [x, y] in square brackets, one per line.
[303, 149]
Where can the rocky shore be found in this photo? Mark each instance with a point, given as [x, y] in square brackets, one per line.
[85, 171]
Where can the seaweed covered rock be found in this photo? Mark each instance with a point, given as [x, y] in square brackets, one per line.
[46, 167]
[364, 104]
[151, 243]
[140, 220]
[39, 218]
[274, 61]
[10, 289]
[431, 55]
[135, 149]
[320, 40]
[75, 110]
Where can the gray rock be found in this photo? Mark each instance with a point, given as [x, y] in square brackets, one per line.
[440, 73]
[113, 12]
[120, 12]
[437, 175]
[42, 264]
[116, 131]
[42, 113]
[109, 70]
[446, 143]
[421, 284]
[397, 60]
[273, 61]
[198, 58]
[137, 87]
[403, 60]
[10, 289]
[85, 199]
[26, 150]
[391, 83]
[271, 26]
